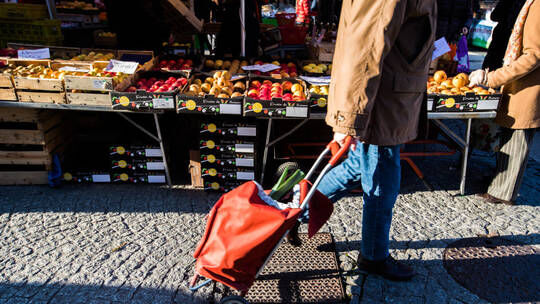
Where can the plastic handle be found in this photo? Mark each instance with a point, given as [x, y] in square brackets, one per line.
[337, 153]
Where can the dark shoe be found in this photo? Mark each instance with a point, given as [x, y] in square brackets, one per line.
[493, 200]
[389, 268]
[293, 237]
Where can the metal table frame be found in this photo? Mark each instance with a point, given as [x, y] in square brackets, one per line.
[51, 106]
[436, 117]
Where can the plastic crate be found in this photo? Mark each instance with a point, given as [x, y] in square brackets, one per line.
[293, 35]
[286, 19]
[18, 11]
[30, 30]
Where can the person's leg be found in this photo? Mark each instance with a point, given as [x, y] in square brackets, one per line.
[511, 163]
[381, 176]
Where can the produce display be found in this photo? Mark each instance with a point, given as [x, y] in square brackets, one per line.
[319, 89]
[321, 68]
[36, 71]
[286, 70]
[219, 85]
[440, 83]
[174, 64]
[234, 67]
[82, 5]
[267, 90]
[153, 84]
[93, 56]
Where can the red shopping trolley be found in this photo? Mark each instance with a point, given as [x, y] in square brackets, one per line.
[243, 231]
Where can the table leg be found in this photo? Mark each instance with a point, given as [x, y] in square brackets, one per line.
[158, 128]
[266, 147]
[465, 157]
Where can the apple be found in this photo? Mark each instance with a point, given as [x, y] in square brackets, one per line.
[256, 84]
[131, 89]
[267, 82]
[286, 85]
[180, 61]
[189, 62]
[253, 93]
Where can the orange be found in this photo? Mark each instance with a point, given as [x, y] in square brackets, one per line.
[440, 76]
[464, 77]
[447, 83]
[458, 82]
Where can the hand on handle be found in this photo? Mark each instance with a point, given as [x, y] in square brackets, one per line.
[339, 146]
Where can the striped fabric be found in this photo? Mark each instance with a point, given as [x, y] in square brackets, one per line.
[511, 163]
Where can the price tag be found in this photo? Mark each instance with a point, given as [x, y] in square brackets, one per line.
[262, 68]
[324, 80]
[163, 103]
[99, 84]
[73, 69]
[126, 67]
[34, 54]
[441, 48]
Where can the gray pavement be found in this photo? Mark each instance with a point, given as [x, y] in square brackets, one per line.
[134, 244]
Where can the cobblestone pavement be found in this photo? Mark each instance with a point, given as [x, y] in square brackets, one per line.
[134, 244]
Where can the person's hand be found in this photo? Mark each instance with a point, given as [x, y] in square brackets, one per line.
[340, 139]
[478, 77]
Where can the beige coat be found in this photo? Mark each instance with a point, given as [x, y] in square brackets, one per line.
[380, 68]
[520, 106]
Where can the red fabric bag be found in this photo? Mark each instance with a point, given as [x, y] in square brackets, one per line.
[240, 233]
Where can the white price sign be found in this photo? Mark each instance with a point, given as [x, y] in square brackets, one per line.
[262, 68]
[126, 67]
[73, 69]
[441, 47]
[34, 54]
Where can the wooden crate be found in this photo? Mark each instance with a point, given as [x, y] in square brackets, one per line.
[5, 81]
[45, 97]
[8, 94]
[97, 99]
[28, 139]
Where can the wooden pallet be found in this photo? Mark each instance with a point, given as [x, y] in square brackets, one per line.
[28, 139]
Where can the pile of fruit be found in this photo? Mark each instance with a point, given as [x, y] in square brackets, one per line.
[100, 72]
[440, 83]
[220, 85]
[153, 84]
[93, 56]
[234, 67]
[36, 71]
[268, 90]
[286, 70]
[319, 89]
[175, 65]
[82, 5]
[321, 68]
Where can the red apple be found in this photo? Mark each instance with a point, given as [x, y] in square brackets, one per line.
[180, 61]
[188, 62]
[253, 93]
[131, 89]
[267, 82]
[256, 84]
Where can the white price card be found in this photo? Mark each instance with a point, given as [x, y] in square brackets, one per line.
[34, 54]
[441, 48]
[73, 69]
[126, 67]
[261, 68]
[163, 103]
[324, 80]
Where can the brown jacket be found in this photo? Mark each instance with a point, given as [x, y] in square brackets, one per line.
[520, 106]
[380, 68]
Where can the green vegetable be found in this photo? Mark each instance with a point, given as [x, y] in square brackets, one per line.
[283, 186]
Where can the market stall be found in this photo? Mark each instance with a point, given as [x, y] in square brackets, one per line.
[233, 100]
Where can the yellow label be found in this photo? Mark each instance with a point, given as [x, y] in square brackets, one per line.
[211, 158]
[120, 150]
[124, 177]
[450, 102]
[212, 172]
[215, 186]
[321, 102]
[124, 101]
[122, 164]
[191, 105]
[67, 176]
[210, 144]
[212, 128]
[257, 107]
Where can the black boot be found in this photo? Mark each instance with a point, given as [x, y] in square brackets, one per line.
[389, 268]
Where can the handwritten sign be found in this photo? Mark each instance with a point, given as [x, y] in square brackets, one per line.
[261, 68]
[34, 54]
[441, 48]
[324, 80]
[73, 69]
[126, 67]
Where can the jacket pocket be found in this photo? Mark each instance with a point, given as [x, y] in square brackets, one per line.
[409, 83]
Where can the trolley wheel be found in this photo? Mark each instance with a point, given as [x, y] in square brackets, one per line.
[292, 166]
[233, 300]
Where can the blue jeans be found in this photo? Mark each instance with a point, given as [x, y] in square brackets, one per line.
[378, 170]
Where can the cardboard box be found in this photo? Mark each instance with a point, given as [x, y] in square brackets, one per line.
[143, 101]
[221, 186]
[87, 177]
[227, 160]
[138, 178]
[137, 165]
[140, 152]
[210, 146]
[209, 105]
[221, 129]
[463, 103]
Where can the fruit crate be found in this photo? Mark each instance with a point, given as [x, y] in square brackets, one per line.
[209, 64]
[176, 64]
[92, 90]
[20, 11]
[7, 91]
[305, 63]
[37, 30]
[57, 52]
[276, 107]
[209, 104]
[142, 100]
[33, 89]
[463, 103]
[318, 103]
[28, 139]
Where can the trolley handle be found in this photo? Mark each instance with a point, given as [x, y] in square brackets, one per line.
[337, 151]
